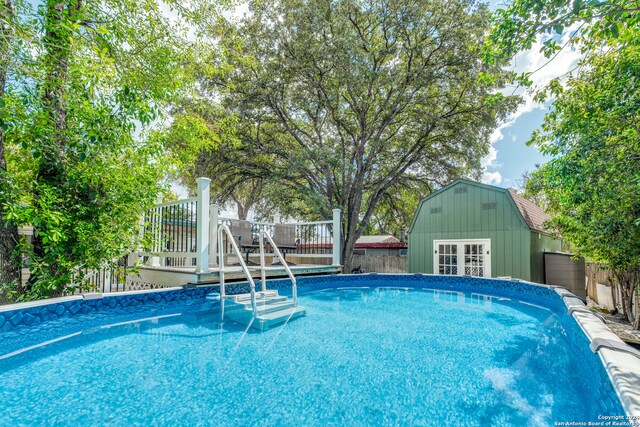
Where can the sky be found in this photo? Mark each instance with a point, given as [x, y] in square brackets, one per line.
[509, 156]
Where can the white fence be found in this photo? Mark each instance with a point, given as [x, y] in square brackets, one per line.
[183, 233]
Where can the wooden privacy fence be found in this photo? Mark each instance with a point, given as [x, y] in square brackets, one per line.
[599, 273]
[381, 263]
[602, 286]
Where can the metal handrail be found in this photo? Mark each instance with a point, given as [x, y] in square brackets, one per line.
[294, 287]
[234, 246]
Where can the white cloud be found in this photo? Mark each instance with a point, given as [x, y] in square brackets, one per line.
[489, 161]
[494, 178]
[533, 61]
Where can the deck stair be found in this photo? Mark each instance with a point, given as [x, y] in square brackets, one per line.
[271, 309]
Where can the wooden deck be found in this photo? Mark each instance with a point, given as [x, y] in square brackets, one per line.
[177, 276]
[235, 272]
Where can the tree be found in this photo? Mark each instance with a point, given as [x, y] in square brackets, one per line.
[220, 156]
[9, 266]
[356, 99]
[592, 184]
[396, 209]
[240, 177]
[518, 26]
[88, 80]
[229, 184]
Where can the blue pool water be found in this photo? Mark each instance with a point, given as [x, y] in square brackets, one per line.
[369, 356]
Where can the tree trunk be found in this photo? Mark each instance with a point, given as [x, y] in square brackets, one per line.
[634, 281]
[627, 304]
[9, 259]
[59, 19]
[351, 236]
[242, 212]
[628, 281]
[354, 223]
[348, 246]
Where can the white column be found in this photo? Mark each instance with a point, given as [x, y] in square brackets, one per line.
[277, 219]
[134, 257]
[156, 228]
[263, 273]
[213, 232]
[202, 224]
[337, 237]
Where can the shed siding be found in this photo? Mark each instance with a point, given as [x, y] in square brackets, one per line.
[462, 217]
[541, 243]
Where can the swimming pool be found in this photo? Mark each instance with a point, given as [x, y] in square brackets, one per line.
[372, 350]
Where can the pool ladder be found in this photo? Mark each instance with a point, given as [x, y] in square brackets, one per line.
[263, 309]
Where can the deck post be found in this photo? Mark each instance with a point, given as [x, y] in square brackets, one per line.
[337, 237]
[156, 228]
[134, 256]
[213, 233]
[202, 224]
[277, 219]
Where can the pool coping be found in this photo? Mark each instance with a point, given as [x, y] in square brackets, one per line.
[622, 367]
[85, 297]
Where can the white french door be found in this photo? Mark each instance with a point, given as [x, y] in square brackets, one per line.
[471, 257]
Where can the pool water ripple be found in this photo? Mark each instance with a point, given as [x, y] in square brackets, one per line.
[359, 357]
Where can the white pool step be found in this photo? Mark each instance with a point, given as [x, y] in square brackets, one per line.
[247, 296]
[271, 309]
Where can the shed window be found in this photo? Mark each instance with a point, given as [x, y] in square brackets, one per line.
[459, 190]
[436, 210]
[488, 206]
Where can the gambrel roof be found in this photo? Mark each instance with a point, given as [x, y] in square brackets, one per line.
[533, 216]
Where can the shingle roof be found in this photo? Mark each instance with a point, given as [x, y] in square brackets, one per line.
[533, 214]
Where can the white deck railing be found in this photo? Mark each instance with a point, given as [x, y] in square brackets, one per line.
[184, 233]
[169, 232]
[305, 240]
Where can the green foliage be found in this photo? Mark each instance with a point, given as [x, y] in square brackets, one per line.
[517, 26]
[592, 185]
[592, 25]
[396, 210]
[241, 172]
[190, 135]
[88, 83]
[346, 102]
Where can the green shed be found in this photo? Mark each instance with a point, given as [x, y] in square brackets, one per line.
[468, 228]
